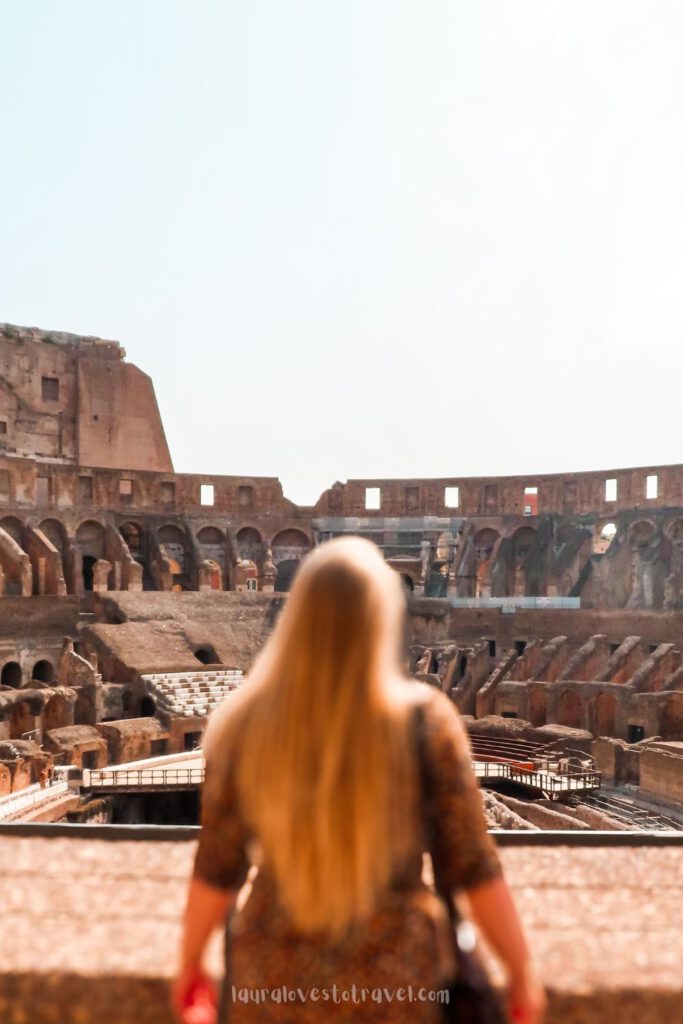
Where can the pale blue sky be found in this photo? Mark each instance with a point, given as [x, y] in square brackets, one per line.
[363, 237]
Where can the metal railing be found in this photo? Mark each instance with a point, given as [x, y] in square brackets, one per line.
[629, 814]
[23, 799]
[143, 777]
[560, 781]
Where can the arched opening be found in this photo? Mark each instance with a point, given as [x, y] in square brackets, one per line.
[11, 674]
[212, 544]
[207, 655]
[90, 543]
[132, 534]
[90, 538]
[147, 707]
[43, 671]
[249, 545]
[213, 550]
[14, 571]
[289, 544]
[173, 543]
[172, 540]
[641, 534]
[15, 528]
[647, 568]
[605, 712]
[519, 584]
[603, 536]
[484, 544]
[55, 533]
[570, 710]
[136, 542]
[288, 547]
[88, 571]
[286, 572]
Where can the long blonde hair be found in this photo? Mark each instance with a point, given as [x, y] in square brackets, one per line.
[325, 774]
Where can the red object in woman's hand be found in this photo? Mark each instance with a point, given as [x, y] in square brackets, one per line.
[199, 1005]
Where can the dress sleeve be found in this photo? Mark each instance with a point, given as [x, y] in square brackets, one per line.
[221, 858]
[464, 855]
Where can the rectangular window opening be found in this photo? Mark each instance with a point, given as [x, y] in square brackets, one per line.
[412, 499]
[611, 490]
[530, 501]
[126, 491]
[245, 496]
[652, 487]
[491, 497]
[3, 426]
[571, 491]
[85, 490]
[206, 494]
[50, 389]
[373, 498]
[451, 498]
[42, 490]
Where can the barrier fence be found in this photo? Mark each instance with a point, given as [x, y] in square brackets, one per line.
[555, 782]
[29, 797]
[142, 777]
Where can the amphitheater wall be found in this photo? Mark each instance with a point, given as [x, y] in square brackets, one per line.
[661, 771]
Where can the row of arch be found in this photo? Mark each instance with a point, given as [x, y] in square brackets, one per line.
[514, 578]
[36, 714]
[181, 548]
[639, 533]
[498, 565]
[12, 674]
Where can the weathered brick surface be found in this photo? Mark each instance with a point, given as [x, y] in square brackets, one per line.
[90, 930]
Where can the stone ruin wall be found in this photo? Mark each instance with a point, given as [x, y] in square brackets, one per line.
[153, 530]
[89, 502]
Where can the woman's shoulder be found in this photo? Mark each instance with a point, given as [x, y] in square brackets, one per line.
[437, 711]
[441, 721]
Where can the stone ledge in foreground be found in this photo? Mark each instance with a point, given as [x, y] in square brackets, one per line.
[90, 929]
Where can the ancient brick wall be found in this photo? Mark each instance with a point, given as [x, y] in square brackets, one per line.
[661, 772]
[75, 399]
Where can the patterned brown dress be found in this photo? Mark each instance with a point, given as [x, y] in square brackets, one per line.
[391, 970]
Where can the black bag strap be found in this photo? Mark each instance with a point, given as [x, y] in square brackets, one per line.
[473, 998]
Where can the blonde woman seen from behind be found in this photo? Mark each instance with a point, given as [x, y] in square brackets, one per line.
[313, 775]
